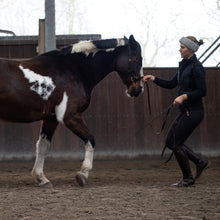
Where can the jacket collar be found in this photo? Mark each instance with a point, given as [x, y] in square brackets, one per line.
[186, 62]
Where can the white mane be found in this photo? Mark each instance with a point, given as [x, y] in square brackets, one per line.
[88, 47]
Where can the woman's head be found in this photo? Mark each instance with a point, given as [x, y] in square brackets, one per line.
[188, 46]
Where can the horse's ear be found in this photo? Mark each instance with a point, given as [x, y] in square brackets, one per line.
[132, 42]
[126, 40]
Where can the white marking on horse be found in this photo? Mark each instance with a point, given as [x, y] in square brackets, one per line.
[120, 42]
[142, 74]
[88, 159]
[42, 85]
[61, 108]
[86, 47]
[41, 151]
[110, 49]
[142, 71]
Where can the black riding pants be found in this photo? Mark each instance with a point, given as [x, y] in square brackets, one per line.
[183, 126]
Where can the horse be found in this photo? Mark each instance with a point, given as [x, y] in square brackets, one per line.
[55, 87]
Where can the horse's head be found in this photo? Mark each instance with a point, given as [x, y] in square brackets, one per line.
[129, 67]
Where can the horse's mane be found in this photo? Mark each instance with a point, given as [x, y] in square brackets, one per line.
[88, 46]
[94, 46]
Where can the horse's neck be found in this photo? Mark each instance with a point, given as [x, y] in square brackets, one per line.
[102, 66]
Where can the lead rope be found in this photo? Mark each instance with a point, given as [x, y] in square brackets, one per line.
[169, 109]
[148, 98]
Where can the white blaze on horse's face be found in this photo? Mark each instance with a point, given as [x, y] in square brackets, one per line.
[60, 109]
[42, 85]
[142, 75]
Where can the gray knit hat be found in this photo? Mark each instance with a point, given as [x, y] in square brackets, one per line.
[189, 43]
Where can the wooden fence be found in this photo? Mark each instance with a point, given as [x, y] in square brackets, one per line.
[121, 125]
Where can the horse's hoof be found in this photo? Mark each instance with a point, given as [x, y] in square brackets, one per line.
[81, 179]
[46, 185]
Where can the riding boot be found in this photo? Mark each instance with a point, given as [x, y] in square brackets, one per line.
[183, 162]
[199, 162]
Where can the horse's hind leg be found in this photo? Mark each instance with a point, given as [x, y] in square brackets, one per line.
[78, 126]
[47, 130]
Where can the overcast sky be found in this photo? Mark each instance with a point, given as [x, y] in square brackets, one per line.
[154, 22]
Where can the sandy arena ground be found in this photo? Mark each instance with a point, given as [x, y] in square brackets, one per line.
[121, 189]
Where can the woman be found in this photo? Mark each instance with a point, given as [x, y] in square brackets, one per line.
[192, 87]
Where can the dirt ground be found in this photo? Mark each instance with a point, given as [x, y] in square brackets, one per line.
[121, 189]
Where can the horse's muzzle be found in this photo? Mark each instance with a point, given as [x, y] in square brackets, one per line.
[134, 90]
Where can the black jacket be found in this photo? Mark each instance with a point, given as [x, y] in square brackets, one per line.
[191, 81]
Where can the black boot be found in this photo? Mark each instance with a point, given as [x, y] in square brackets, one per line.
[183, 162]
[199, 162]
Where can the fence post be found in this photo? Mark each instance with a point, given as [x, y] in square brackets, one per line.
[50, 36]
[41, 36]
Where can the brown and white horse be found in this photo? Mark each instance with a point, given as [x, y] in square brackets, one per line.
[55, 87]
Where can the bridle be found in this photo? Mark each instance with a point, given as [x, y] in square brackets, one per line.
[131, 72]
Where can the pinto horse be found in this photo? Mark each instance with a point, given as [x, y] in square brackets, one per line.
[55, 87]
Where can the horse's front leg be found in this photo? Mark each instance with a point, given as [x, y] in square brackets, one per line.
[43, 143]
[78, 126]
[83, 174]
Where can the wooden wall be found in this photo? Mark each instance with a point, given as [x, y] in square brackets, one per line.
[121, 125]
[27, 46]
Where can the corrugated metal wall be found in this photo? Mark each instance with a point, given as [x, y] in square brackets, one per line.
[121, 124]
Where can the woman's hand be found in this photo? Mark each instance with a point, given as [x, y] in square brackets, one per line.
[148, 77]
[178, 100]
